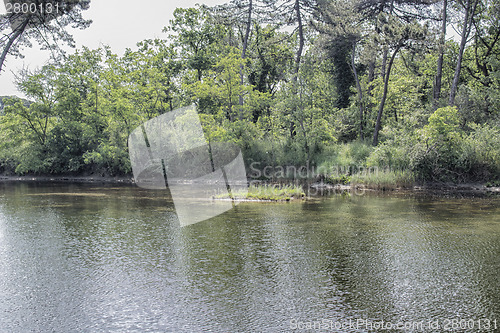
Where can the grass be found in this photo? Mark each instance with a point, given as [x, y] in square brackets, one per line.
[268, 193]
[385, 179]
[346, 155]
[340, 179]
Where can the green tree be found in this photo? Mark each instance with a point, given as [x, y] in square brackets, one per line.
[195, 33]
[396, 35]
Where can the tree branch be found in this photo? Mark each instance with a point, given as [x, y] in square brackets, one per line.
[11, 41]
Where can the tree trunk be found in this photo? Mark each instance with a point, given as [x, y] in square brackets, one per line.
[360, 91]
[464, 37]
[442, 40]
[301, 44]
[11, 41]
[386, 49]
[384, 97]
[298, 59]
[371, 72]
[244, 51]
[384, 62]
[371, 77]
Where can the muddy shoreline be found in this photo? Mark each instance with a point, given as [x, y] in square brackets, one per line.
[430, 188]
[69, 179]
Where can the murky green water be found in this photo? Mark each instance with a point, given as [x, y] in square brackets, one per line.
[87, 258]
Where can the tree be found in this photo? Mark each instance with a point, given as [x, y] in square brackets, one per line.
[442, 41]
[195, 33]
[271, 56]
[27, 124]
[469, 12]
[45, 23]
[294, 13]
[223, 86]
[343, 26]
[297, 13]
[239, 13]
[486, 40]
[398, 35]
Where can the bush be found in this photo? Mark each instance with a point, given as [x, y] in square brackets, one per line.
[396, 151]
[32, 159]
[346, 155]
[390, 155]
[437, 157]
[480, 153]
[449, 154]
[109, 159]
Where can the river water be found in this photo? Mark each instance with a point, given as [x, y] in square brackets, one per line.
[95, 258]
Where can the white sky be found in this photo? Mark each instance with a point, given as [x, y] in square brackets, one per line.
[117, 23]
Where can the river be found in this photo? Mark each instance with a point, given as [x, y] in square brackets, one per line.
[93, 258]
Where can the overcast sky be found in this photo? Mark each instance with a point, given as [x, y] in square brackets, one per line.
[117, 23]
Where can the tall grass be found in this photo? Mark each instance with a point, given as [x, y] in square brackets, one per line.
[268, 192]
[385, 179]
[346, 155]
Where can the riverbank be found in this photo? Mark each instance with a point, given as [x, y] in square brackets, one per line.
[430, 188]
[71, 179]
[288, 190]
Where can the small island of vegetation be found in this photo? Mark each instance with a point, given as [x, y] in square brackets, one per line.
[266, 192]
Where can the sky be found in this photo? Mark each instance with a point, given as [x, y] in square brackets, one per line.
[117, 23]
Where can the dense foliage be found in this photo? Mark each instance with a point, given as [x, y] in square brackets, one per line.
[350, 85]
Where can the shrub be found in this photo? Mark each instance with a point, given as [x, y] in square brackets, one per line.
[441, 147]
[480, 153]
[449, 154]
[346, 155]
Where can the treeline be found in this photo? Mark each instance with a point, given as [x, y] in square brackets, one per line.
[292, 82]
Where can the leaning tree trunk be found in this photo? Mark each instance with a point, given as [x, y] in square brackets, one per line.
[360, 91]
[301, 45]
[464, 36]
[384, 97]
[386, 49]
[442, 40]
[11, 41]
[298, 58]
[244, 51]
